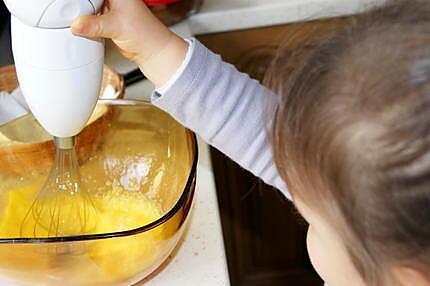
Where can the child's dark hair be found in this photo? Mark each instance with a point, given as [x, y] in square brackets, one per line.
[352, 136]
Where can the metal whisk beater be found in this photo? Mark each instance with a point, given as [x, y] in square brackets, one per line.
[63, 207]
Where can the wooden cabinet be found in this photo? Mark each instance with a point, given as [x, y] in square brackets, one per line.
[263, 234]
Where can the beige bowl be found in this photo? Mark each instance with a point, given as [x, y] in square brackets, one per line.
[30, 150]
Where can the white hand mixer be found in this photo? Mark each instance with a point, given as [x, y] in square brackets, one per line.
[60, 76]
[59, 73]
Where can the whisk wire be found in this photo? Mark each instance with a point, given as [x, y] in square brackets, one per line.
[63, 206]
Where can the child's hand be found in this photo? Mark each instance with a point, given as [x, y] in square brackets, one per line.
[140, 36]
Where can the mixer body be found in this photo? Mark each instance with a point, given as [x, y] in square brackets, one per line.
[59, 73]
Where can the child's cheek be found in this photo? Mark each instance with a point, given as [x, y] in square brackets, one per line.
[315, 249]
[330, 259]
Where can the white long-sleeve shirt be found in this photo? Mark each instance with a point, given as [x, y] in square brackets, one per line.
[228, 109]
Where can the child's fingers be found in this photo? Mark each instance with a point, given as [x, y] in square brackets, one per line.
[94, 27]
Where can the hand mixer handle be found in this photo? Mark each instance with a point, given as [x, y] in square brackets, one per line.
[51, 14]
[59, 73]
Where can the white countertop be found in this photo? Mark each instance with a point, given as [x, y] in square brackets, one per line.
[200, 258]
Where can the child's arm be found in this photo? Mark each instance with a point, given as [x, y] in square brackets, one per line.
[227, 109]
[209, 96]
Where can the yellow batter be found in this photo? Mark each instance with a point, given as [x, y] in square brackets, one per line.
[119, 210]
[116, 212]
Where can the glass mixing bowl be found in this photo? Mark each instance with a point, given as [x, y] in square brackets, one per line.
[141, 170]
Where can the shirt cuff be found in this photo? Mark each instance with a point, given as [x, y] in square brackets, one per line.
[165, 87]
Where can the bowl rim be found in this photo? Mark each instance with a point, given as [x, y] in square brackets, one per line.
[188, 190]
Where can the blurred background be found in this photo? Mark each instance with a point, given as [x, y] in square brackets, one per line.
[5, 47]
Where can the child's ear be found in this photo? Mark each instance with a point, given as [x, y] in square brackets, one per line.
[408, 276]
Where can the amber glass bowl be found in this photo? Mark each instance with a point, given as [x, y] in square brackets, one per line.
[144, 155]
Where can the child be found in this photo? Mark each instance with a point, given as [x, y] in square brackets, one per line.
[350, 132]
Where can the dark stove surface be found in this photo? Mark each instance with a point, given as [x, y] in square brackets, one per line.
[5, 45]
